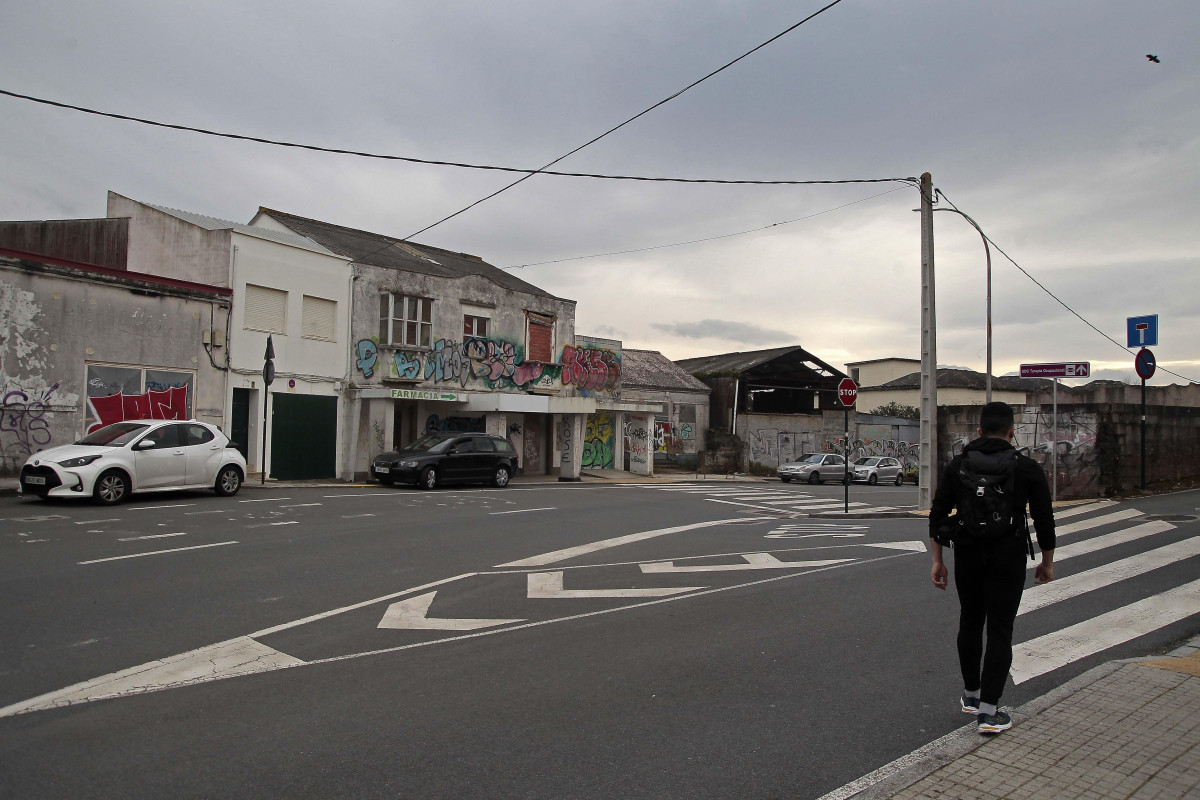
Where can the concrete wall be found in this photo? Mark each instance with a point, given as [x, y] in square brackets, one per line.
[775, 439]
[54, 324]
[873, 373]
[160, 244]
[869, 400]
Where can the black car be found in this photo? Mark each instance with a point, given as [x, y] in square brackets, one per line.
[438, 458]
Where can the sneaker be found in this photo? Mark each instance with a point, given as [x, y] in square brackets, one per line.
[970, 705]
[990, 724]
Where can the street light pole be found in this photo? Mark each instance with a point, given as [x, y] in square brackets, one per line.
[987, 250]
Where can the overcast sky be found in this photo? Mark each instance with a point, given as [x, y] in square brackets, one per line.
[1041, 119]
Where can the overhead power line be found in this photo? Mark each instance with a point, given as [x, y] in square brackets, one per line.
[706, 238]
[1057, 299]
[615, 128]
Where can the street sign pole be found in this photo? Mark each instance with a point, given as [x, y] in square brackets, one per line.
[1144, 364]
[268, 379]
[1143, 434]
[848, 395]
[1054, 452]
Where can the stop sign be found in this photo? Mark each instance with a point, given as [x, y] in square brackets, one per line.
[847, 392]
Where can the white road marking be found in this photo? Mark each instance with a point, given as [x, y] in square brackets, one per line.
[265, 500]
[522, 511]
[1047, 653]
[753, 561]
[413, 614]
[151, 536]
[156, 552]
[97, 521]
[364, 494]
[356, 516]
[1096, 522]
[585, 549]
[549, 586]
[1072, 511]
[302, 505]
[144, 508]
[194, 513]
[829, 534]
[1082, 582]
[273, 524]
[1123, 536]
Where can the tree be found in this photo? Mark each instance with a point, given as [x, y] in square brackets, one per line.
[895, 409]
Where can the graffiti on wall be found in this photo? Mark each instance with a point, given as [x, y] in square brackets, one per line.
[774, 447]
[169, 403]
[436, 424]
[24, 419]
[637, 442]
[367, 354]
[598, 441]
[1078, 459]
[591, 368]
[907, 453]
[407, 367]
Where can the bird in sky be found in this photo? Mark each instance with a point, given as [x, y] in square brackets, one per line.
[1153, 58]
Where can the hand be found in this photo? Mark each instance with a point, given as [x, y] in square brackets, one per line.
[938, 574]
[1044, 573]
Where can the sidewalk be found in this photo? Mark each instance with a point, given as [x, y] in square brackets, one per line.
[1124, 730]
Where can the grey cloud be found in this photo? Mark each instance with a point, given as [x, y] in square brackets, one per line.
[741, 332]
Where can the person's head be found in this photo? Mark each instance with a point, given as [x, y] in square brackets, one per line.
[996, 420]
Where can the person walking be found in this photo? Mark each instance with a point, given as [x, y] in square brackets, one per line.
[989, 485]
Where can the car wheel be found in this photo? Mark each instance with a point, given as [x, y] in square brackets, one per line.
[429, 478]
[872, 479]
[111, 488]
[229, 480]
[500, 479]
[814, 477]
[785, 478]
[899, 478]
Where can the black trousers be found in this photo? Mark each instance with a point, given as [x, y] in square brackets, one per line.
[989, 578]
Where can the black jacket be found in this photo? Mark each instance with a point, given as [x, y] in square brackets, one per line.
[1030, 486]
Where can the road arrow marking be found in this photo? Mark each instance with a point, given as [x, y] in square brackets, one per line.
[915, 547]
[549, 586]
[413, 614]
[753, 561]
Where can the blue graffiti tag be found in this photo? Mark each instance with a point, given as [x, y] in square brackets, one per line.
[368, 354]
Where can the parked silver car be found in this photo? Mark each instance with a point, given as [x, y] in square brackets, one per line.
[873, 469]
[814, 468]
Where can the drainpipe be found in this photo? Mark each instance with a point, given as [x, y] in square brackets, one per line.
[356, 404]
[736, 384]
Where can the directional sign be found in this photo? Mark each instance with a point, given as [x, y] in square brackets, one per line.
[1144, 364]
[1075, 369]
[1142, 331]
[847, 392]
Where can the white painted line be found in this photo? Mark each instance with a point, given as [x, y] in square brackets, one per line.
[151, 536]
[549, 586]
[194, 513]
[413, 614]
[302, 505]
[753, 561]
[241, 656]
[1096, 522]
[1047, 653]
[266, 500]
[98, 521]
[585, 549]
[363, 494]
[1073, 585]
[1111, 539]
[1072, 511]
[156, 552]
[273, 524]
[145, 508]
[522, 511]
[356, 516]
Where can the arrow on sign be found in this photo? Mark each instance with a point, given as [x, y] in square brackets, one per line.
[413, 614]
[753, 561]
[549, 586]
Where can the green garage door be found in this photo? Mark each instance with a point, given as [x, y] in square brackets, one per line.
[303, 437]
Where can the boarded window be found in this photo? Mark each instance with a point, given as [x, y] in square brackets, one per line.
[266, 309]
[541, 340]
[318, 319]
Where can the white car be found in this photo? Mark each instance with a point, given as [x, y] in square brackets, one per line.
[873, 469]
[147, 455]
[814, 468]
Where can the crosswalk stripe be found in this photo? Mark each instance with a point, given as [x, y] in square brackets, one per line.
[1046, 653]
[1095, 522]
[1092, 579]
[1081, 509]
[1123, 536]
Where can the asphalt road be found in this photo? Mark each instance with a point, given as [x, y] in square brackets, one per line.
[545, 641]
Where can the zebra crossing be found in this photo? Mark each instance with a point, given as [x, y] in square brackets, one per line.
[1095, 529]
[772, 498]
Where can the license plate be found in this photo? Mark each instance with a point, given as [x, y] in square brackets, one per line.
[35, 480]
[383, 470]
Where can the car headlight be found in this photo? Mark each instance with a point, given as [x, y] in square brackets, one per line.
[82, 461]
[407, 464]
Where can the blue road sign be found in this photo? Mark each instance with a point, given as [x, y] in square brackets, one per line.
[1143, 331]
[1144, 364]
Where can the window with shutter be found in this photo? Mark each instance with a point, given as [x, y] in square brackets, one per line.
[541, 340]
[318, 318]
[266, 309]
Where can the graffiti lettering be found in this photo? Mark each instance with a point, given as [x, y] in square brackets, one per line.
[368, 355]
[455, 424]
[598, 440]
[637, 443]
[170, 403]
[25, 416]
[407, 366]
[591, 368]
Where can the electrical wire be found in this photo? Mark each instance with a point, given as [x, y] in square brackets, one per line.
[1057, 299]
[705, 239]
[642, 113]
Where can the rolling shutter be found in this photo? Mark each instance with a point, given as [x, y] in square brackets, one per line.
[541, 341]
[266, 309]
[318, 318]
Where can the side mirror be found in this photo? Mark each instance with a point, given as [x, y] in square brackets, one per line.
[146, 444]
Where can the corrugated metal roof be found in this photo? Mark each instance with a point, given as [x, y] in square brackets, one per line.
[968, 379]
[737, 363]
[650, 369]
[216, 224]
[378, 250]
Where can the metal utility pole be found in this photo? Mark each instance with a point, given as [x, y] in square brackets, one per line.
[987, 252]
[928, 464]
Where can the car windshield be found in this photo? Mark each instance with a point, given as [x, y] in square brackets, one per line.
[115, 435]
[430, 443]
[866, 462]
[815, 458]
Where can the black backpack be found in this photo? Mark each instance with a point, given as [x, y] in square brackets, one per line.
[987, 506]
